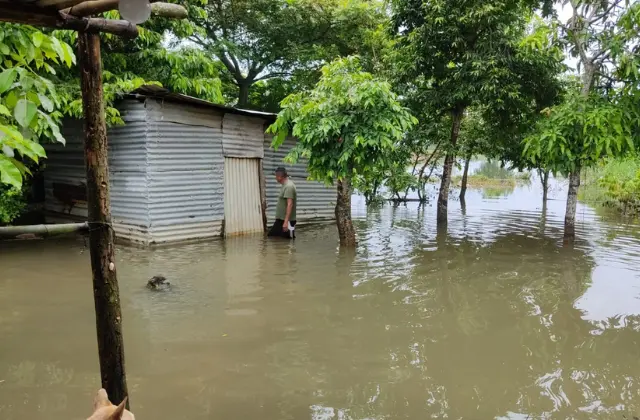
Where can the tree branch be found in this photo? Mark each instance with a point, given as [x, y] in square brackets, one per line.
[274, 75]
[572, 32]
[237, 66]
[603, 15]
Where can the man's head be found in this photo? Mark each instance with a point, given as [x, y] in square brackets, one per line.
[281, 175]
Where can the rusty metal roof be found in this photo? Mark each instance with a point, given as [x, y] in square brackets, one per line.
[154, 91]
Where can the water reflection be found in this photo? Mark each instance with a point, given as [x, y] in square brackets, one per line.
[491, 319]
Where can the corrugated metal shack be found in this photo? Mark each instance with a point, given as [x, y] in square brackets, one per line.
[182, 169]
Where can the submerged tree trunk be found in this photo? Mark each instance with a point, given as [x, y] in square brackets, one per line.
[106, 293]
[465, 175]
[443, 196]
[544, 179]
[572, 202]
[346, 231]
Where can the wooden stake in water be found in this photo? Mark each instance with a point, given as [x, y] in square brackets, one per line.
[101, 238]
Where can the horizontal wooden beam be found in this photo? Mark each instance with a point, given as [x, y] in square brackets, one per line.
[95, 7]
[41, 231]
[30, 15]
[96, 25]
[169, 10]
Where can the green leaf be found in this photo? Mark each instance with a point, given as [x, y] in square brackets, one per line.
[4, 110]
[24, 112]
[57, 47]
[46, 103]
[23, 169]
[7, 78]
[68, 56]
[8, 151]
[37, 38]
[11, 99]
[11, 132]
[9, 173]
[54, 128]
[37, 149]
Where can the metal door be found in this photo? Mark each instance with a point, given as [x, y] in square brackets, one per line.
[242, 205]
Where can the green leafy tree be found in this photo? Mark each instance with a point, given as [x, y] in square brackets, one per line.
[599, 116]
[579, 133]
[459, 55]
[345, 126]
[29, 103]
[258, 40]
[157, 56]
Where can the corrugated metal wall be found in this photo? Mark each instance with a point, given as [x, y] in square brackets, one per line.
[167, 178]
[185, 172]
[316, 201]
[242, 136]
[127, 173]
[242, 205]
[65, 170]
[65, 174]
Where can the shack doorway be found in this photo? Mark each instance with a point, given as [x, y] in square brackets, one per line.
[242, 202]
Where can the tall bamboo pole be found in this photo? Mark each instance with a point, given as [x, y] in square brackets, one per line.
[101, 238]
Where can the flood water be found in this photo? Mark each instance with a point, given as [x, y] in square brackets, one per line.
[495, 320]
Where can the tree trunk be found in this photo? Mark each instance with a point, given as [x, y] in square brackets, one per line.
[465, 174]
[443, 196]
[105, 283]
[572, 202]
[346, 231]
[544, 179]
[243, 95]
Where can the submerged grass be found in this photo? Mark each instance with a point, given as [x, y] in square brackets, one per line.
[492, 175]
[613, 184]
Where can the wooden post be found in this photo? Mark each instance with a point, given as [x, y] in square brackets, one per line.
[263, 195]
[101, 238]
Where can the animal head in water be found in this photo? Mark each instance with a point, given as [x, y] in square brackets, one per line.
[104, 410]
[157, 282]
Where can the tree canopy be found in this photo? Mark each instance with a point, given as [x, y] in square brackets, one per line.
[346, 126]
[258, 40]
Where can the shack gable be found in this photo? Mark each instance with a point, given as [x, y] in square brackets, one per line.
[242, 136]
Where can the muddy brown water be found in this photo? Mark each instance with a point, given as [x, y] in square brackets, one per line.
[493, 321]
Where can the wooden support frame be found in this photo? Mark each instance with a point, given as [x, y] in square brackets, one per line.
[29, 15]
[106, 292]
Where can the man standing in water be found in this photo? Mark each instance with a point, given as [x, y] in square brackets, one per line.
[285, 223]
